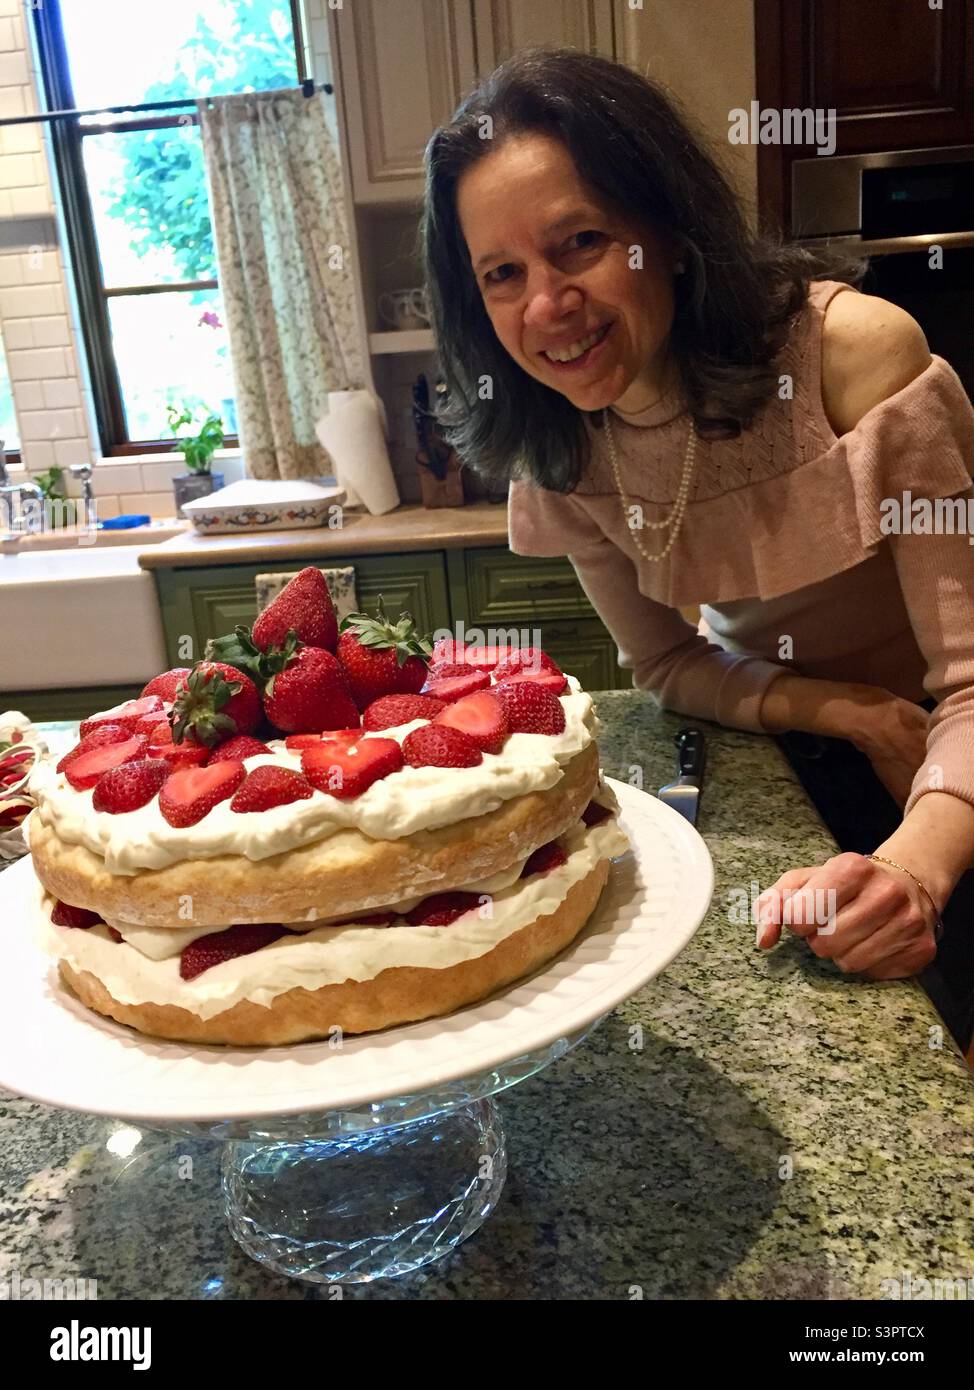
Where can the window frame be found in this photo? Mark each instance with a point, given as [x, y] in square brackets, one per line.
[67, 140]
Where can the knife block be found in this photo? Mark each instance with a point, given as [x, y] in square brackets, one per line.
[440, 492]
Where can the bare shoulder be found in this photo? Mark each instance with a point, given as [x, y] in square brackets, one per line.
[870, 350]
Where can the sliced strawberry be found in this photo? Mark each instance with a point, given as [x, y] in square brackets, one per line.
[86, 769]
[130, 786]
[115, 935]
[127, 714]
[166, 685]
[191, 792]
[479, 716]
[548, 680]
[441, 909]
[268, 786]
[483, 658]
[544, 859]
[240, 747]
[390, 710]
[525, 659]
[98, 738]
[456, 687]
[185, 754]
[298, 741]
[346, 770]
[594, 814]
[64, 915]
[435, 746]
[530, 709]
[439, 670]
[241, 940]
[155, 726]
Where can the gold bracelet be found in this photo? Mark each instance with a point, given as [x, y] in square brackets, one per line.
[938, 929]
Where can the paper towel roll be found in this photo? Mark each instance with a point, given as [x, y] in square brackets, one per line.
[354, 436]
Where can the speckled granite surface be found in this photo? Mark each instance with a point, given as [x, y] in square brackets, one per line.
[665, 1168]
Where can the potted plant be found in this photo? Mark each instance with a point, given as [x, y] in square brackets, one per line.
[198, 450]
[58, 510]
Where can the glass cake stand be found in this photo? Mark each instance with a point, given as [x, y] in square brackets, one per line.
[373, 1192]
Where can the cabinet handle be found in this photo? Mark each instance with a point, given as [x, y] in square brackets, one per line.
[566, 632]
[551, 584]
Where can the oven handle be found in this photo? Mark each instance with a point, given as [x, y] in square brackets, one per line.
[887, 246]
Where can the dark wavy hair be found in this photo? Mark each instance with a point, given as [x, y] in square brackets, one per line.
[630, 143]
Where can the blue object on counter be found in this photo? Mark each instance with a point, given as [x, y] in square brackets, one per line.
[123, 523]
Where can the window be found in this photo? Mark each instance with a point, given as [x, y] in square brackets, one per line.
[9, 433]
[133, 189]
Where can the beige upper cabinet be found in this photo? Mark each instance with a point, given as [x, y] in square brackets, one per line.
[502, 27]
[403, 66]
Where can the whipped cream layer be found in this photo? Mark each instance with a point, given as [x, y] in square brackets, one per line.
[414, 798]
[326, 955]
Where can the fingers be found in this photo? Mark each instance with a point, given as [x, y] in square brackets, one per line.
[769, 907]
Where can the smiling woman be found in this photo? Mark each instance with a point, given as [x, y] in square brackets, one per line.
[697, 415]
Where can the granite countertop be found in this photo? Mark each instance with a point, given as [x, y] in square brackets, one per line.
[409, 527]
[785, 1131]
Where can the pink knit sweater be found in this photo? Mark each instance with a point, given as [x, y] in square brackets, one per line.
[782, 538]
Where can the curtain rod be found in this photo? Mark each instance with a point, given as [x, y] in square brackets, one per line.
[308, 87]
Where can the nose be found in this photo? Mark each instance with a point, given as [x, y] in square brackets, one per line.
[550, 297]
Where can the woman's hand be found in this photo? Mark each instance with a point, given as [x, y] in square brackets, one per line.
[893, 736]
[868, 917]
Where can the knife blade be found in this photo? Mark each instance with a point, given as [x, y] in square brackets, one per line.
[684, 794]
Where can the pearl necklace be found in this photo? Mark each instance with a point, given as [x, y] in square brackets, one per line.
[675, 518]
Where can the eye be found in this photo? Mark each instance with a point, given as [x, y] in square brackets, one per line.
[584, 241]
[499, 274]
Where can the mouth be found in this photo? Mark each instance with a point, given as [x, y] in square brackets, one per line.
[574, 356]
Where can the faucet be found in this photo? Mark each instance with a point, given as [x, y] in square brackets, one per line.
[9, 490]
[83, 471]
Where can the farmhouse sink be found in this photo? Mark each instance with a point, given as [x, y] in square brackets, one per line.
[81, 616]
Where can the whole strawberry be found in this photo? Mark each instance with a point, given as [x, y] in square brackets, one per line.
[310, 694]
[303, 606]
[381, 657]
[166, 685]
[217, 703]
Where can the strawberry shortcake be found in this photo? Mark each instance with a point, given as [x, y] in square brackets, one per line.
[314, 830]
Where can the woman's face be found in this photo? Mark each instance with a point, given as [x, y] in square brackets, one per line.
[559, 271]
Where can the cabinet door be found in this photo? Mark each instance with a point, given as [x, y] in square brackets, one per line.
[401, 70]
[587, 651]
[206, 601]
[505, 26]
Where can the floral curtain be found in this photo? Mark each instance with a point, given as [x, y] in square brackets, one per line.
[284, 260]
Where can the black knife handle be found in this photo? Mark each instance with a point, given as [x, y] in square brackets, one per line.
[691, 745]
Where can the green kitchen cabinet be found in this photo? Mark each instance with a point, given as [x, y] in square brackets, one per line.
[535, 602]
[208, 600]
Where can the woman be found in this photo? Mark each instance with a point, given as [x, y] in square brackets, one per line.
[693, 415]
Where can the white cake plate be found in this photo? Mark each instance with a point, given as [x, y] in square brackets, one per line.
[348, 1163]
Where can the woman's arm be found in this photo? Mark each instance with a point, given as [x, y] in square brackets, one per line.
[890, 731]
[883, 923]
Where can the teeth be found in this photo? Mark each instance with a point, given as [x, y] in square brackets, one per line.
[568, 354]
